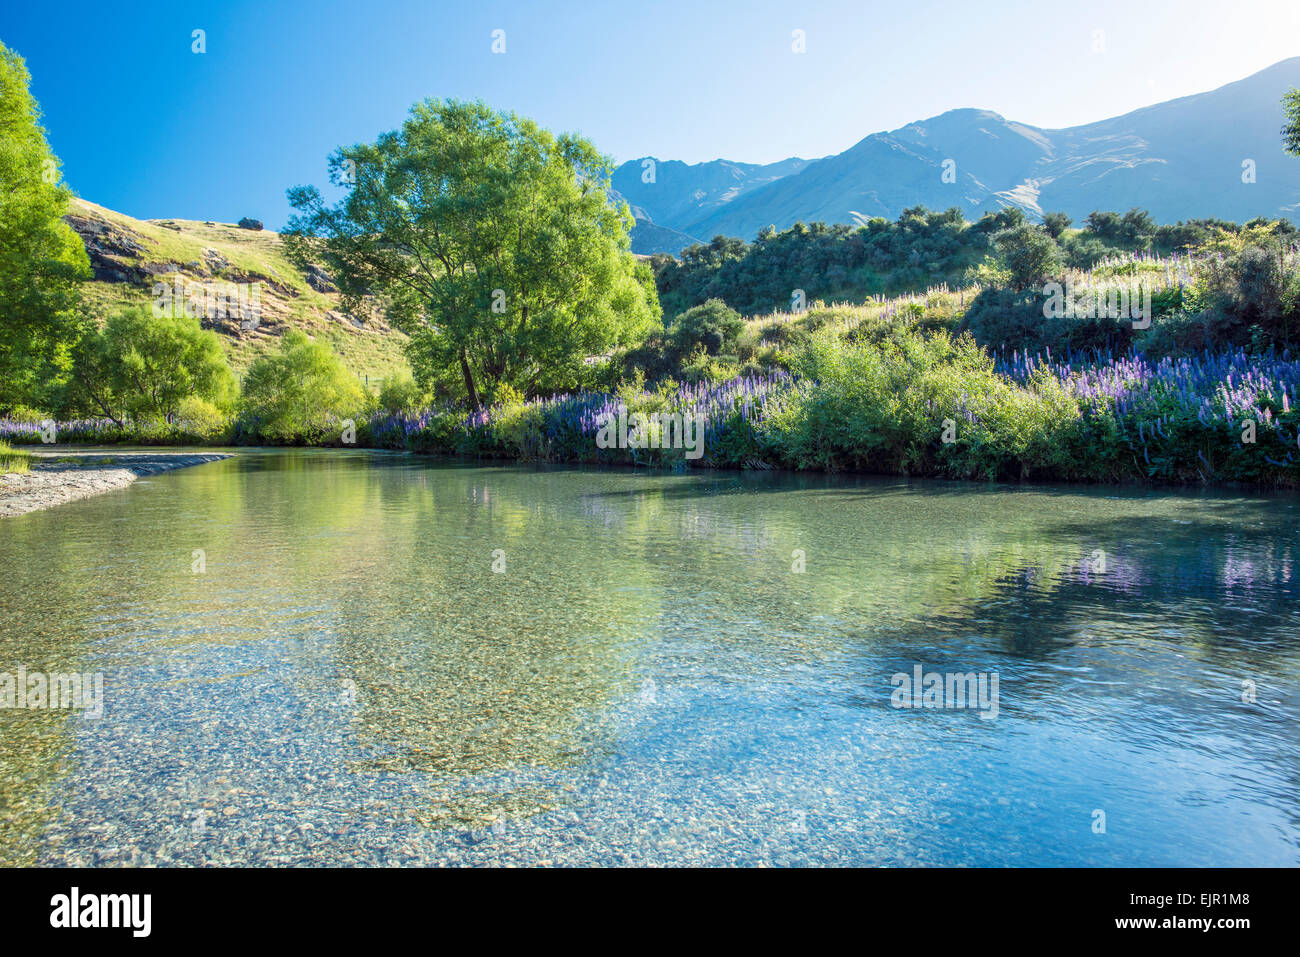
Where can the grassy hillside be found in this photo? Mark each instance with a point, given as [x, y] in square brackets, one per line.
[130, 255]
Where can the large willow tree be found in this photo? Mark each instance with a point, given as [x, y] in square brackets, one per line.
[491, 242]
[41, 258]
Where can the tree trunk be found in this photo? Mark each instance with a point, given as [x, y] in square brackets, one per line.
[469, 382]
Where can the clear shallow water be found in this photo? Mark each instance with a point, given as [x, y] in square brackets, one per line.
[648, 681]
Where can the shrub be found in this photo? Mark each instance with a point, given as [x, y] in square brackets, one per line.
[200, 420]
[399, 393]
[880, 407]
[24, 413]
[1258, 286]
[1004, 320]
[712, 325]
[1030, 254]
[299, 394]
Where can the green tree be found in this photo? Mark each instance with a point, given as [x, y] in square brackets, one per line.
[1132, 230]
[488, 240]
[711, 325]
[293, 394]
[1138, 227]
[1056, 224]
[1030, 254]
[1291, 128]
[144, 366]
[41, 258]
[1107, 225]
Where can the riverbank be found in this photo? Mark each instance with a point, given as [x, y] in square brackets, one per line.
[916, 406]
[65, 475]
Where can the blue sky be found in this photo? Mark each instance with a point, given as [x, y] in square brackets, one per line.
[146, 126]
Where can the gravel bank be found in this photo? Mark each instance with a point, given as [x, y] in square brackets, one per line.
[59, 476]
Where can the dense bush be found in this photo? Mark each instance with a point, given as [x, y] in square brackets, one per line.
[1030, 255]
[881, 407]
[706, 342]
[202, 420]
[399, 393]
[921, 249]
[1256, 288]
[1007, 321]
[300, 394]
[712, 326]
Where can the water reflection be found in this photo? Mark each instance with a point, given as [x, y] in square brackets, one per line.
[392, 660]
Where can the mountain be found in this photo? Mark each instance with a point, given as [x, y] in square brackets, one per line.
[129, 256]
[679, 192]
[1181, 159]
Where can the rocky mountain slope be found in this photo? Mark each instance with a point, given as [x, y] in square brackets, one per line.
[254, 292]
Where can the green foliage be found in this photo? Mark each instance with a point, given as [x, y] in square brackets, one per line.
[920, 251]
[399, 393]
[989, 273]
[1056, 224]
[41, 258]
[204, 421]
[300, 393]
[1007, 320]
[1083, 249]
[1247, 296]
[699, 366]
[26, 414]
[709, 341]
[880, 407]
[515, 425]
[1133, 230]
[14, 460]
[711, 326]
[828, 262]
[1291, 126]
[1254, 292]
[491, 242]
[143, 366]
[1030, 255]
[999, 318]
[140, 367]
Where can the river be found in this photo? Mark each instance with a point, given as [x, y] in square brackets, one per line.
[346, 657]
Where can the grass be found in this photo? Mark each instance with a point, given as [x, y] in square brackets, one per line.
[253, 251]
[14, 460]
[375, 351]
